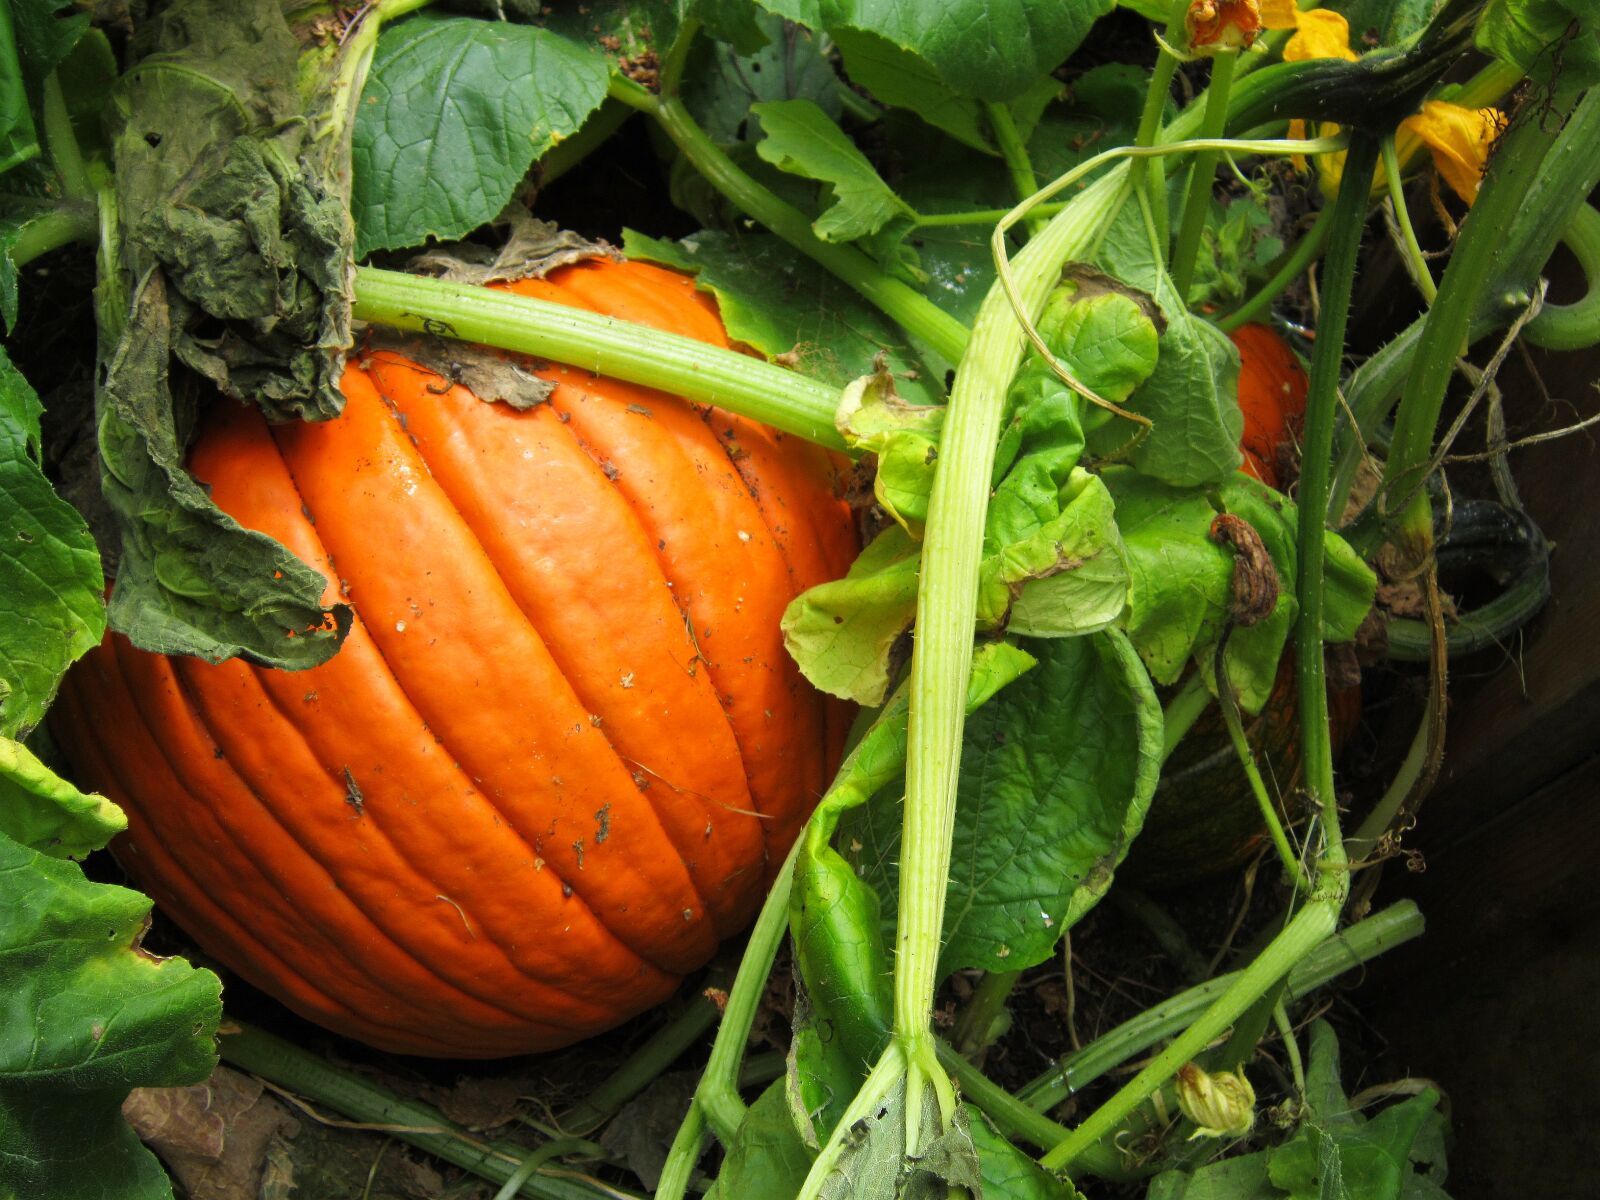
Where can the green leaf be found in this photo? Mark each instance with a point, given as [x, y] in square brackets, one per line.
[46, 30]
[1554, 41]
[723, 84]
[1237, 245]
[1180, 586]
[1151, 10]
[843, 634]
[86, 1017]
[235, 259]
[19, 141]
[1104, 332]
[50, 582]
[1054, 550]
[44, 812]
[1242, 1178]
[781, 303]
[454, 113]
[801, 140]
[767, 1160]
[1339, 1154]
[1192, 397]
[35, 36]
[1008, 1173]
[899, 78]
[905, 438]
[1385, 22]
[1056, 775]
[191, 579]
[991, 49]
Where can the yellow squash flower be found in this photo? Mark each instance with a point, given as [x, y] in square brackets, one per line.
[1458, 138]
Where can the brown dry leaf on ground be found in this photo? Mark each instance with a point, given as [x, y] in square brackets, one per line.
[213, 1136]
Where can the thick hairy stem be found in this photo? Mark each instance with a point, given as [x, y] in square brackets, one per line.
[1322, 398]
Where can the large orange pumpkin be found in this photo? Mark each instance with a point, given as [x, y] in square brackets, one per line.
[562, 750]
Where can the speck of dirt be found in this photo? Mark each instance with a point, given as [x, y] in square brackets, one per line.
[352, 793]
[603, 819]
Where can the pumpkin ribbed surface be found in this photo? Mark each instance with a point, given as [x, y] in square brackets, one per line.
[562, 748]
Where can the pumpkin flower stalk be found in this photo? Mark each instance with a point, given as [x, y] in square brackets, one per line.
[1458, 138]
[1220, 1105]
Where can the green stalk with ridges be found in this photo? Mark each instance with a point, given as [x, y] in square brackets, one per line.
[619, 349]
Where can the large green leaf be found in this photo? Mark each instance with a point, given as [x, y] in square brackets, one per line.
[1056, 774]
[85, 1017]
[454, 113]
[992, 49]
[780, 303]
[50, 583]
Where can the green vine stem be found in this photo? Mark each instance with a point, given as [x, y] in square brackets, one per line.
[975, 1028]
[1416, 262]
[717, 1096]
[1148, 176]
[1182, 711]
[660, 1051]
[1017, 1121]
[1351, 948]
[946, 610]
[978, 216]
[286, 1065]
[1378, 822]
[687, 1146]
[604, 345]
[62, 143]
[52, 230]
[1322, 402]
[1566, 177]
[531, 1165]
[1310, 926]
[1574, 326]
[1202, 175]
[1229, 704]
[1484, 627]
[915, 313]
[1403, 510]
[1015, 152]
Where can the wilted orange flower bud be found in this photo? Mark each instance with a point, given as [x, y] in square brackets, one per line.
[1215, 25]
